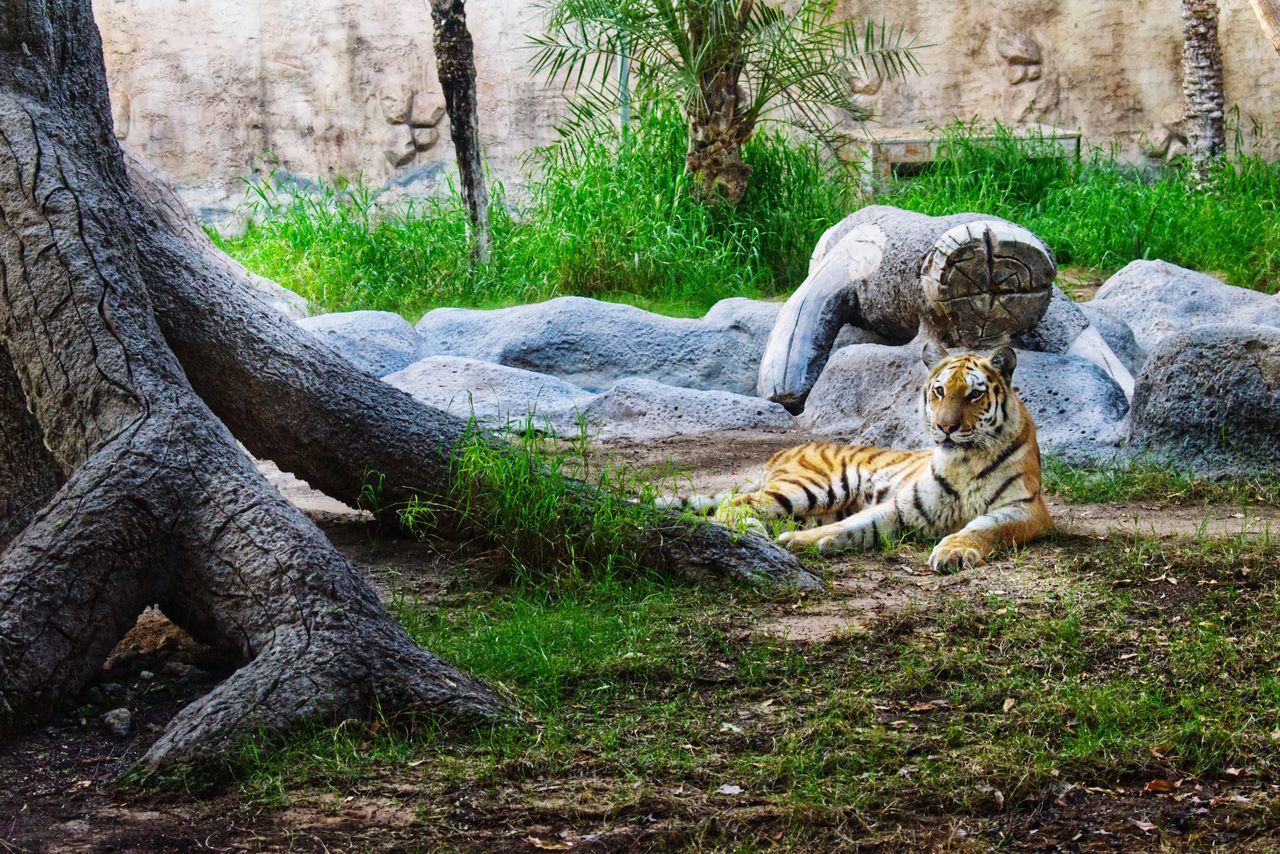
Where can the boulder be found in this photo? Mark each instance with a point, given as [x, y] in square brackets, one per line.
[1209, 398]
[870, 394]
[594, 344]
[1057, 329]
[640, 409]
[494, 395]
[291, 305]
[1117, 334]
[379, 342]
[1157, 299]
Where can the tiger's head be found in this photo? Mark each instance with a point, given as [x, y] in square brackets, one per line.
[966, 399]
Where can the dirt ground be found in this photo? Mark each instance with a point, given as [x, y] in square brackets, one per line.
[57, 789]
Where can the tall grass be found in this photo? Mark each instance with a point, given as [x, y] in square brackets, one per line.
[1099, 214]
[613, 222]
[617, 222]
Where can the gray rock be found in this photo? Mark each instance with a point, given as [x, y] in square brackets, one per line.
[1118, 336]
[495, 395]
[870, 393]
[1209, 398]
[276, 295]
[595, 344]
[1059, 326]
[641, 409]
[118, 722]
[1157, 299]
[379, 342]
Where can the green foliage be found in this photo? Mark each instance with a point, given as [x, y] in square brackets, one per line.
[554, 516]
[619, 225]
[1100, 672]
[1098, 214]
[1151, 480]
[793, 62]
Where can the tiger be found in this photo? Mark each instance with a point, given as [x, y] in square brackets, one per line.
[977, 488]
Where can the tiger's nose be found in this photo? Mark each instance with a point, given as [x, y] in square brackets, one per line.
[949, 428]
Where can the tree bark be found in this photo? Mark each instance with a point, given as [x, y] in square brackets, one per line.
[966, 280]
[719, 124]
[1268, 12]
[160, 505]
[456, 67]
[716, 135]
[122, 326]
[1202, 84]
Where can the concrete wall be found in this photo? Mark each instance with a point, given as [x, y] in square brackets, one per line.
[330, 87]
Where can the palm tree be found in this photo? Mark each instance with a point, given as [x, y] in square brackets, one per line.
[727, 64]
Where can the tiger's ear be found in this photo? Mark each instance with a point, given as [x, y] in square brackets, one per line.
[1004, 360]
[933, 353]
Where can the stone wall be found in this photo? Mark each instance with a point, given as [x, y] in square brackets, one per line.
[328, 87]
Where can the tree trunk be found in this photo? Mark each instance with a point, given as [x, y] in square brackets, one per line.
[159, 504]
[716, 136]
[1268, 12]
[121, 326]
[456, 67]
[1202, 84]
[965, 280]
[719, 125]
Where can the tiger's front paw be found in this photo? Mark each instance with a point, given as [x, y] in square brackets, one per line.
[956, 552]
[827, 542]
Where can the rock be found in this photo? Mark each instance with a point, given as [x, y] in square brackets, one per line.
[1018, 48]
[494, 394]
[283, 300]
[397, 145]
[1157, 299]
[427, 110]
[1117, 334]
[1059, 326]
[395, 103]
[1209, 398]
[869, 394]
[594, 344]
[379, 342]
[118, 722]
[424, 138]
[640, 409]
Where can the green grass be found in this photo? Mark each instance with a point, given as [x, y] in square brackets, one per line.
[1156, 481]
[619, 224]
[640, 689]
[1099, 215]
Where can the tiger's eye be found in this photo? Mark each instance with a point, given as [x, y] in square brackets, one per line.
[938, 391]
[976, 394]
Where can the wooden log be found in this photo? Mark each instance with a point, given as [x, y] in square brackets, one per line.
[967, 280]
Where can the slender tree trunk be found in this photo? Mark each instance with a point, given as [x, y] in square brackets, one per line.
[1268, 12]
[1202, 84]
[456, 66]
[130, 345]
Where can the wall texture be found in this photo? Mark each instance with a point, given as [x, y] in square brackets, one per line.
[328, 87]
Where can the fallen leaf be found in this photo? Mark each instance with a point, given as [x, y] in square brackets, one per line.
[1009, 703]
[547, 845]
[1160, 786]
[729, 789]
[728, 727]
[1144, 826]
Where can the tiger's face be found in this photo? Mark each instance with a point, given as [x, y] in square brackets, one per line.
[965, 400]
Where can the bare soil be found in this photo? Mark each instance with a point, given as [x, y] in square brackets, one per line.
[58, 789]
